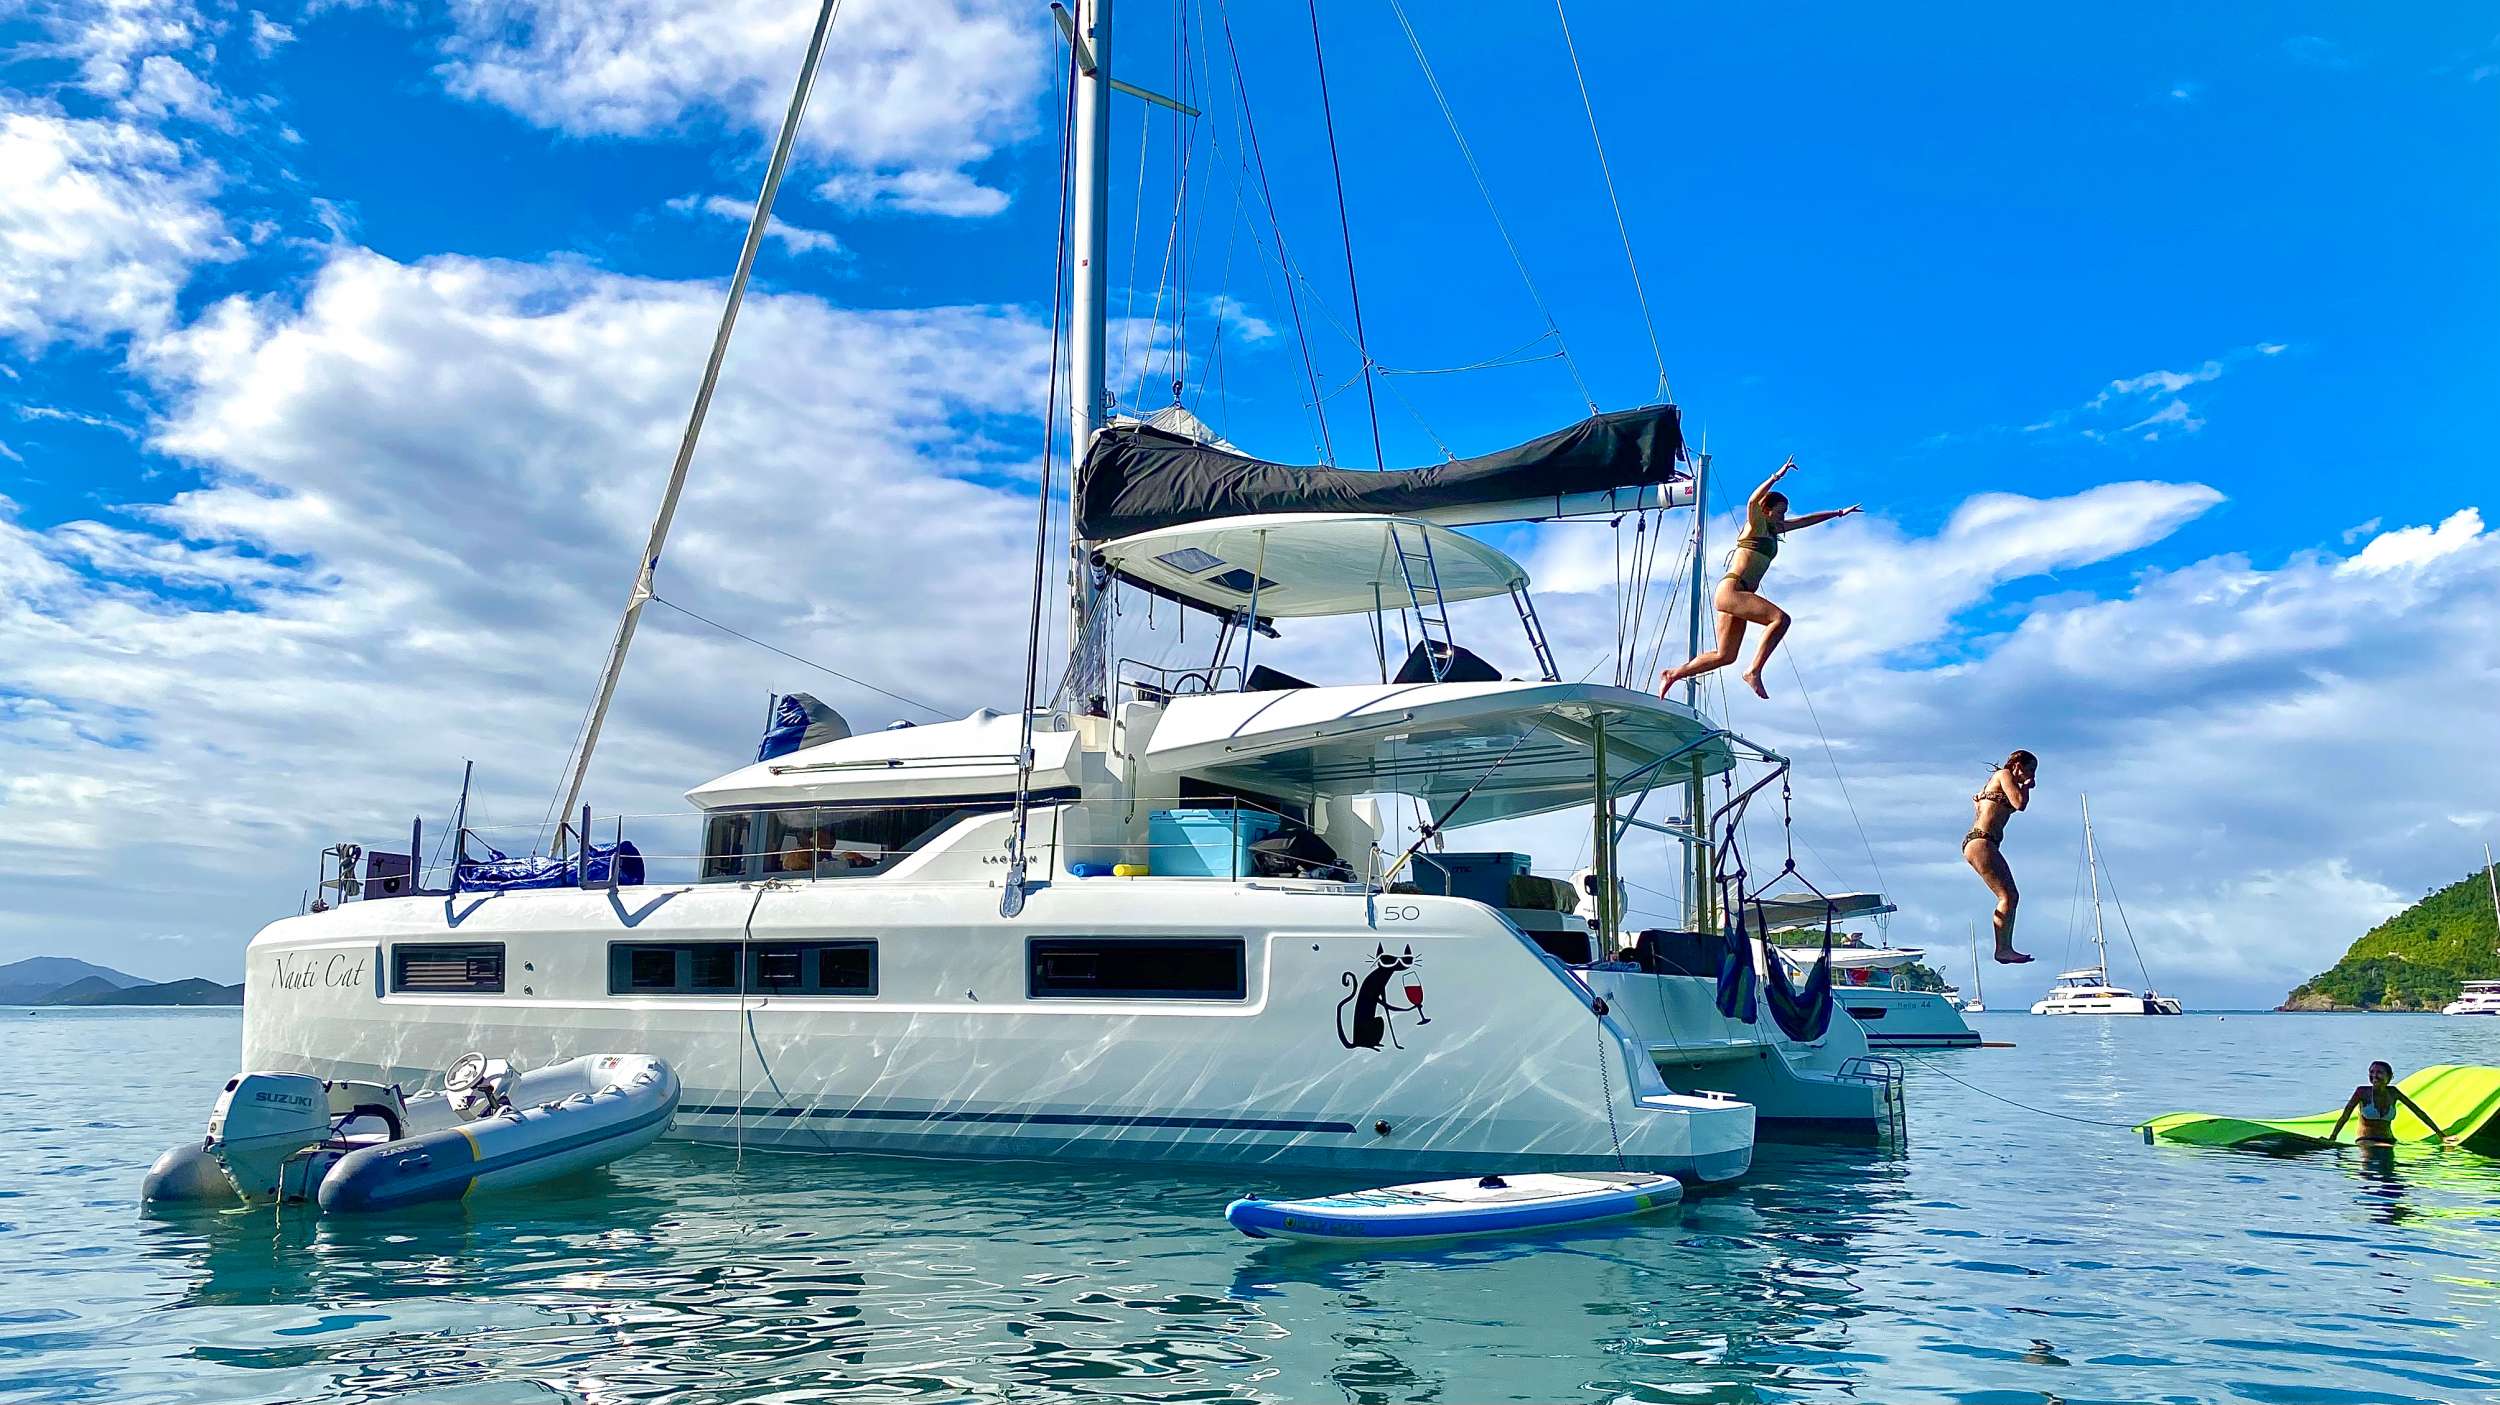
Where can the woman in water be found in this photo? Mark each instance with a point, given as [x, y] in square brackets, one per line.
[2377, 1101]
[2007, 791]
[1739, 601]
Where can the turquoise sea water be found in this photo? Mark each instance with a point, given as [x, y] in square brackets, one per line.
[2002, 1254]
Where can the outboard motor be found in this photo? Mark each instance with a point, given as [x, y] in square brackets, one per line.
[262, 1120]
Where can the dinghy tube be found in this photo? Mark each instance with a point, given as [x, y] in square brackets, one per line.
[566, 1117]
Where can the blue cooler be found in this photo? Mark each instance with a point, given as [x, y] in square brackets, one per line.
[1484, 878]
[1205, 843]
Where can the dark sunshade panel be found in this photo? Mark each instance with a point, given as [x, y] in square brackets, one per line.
[1137, 478]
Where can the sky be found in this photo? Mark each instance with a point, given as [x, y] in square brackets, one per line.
[344, 347]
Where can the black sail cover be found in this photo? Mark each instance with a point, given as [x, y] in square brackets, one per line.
[1137, 478]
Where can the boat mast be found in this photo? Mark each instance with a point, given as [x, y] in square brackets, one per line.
[650, 562]
[1697, 895]
[1088, 399]
[2092, 857]
[2493, 881]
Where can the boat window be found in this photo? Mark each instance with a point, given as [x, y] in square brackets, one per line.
[827, 841]
[1135, 968]
[728, 845]
[672, 968]
[813, 968]
[469, 968]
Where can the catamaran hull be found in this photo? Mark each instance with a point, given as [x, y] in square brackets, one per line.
[1506, 1067]
[1829, 1090]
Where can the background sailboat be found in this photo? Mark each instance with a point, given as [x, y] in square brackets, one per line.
[2086, 990]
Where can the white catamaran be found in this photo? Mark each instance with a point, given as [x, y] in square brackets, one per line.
[2087, 991]
[1158, 916]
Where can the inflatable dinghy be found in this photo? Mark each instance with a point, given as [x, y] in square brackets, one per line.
[1457, 1209]
[352, 1146]
[2464, 1098]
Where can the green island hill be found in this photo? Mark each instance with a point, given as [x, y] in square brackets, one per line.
[2415, 960]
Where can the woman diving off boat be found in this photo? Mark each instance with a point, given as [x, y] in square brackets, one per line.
[2008, 791]
[1739, 600]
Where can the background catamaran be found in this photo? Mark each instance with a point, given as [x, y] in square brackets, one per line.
[1157, 914]
[2087, 991]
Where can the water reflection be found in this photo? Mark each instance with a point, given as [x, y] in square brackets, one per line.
[2001, 1255]
[685, 1272]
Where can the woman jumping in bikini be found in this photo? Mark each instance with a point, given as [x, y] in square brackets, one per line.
[1739, 601]
[2007, 791]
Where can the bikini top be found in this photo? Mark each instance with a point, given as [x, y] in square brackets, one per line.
[1759, 537]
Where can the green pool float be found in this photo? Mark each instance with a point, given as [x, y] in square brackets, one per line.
[2465, 1098]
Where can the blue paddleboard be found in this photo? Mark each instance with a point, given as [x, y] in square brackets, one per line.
[1457, 1209]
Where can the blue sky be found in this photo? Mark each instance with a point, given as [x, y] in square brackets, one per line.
[2239, 254]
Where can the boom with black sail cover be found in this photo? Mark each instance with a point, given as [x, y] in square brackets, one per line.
[1137, 478]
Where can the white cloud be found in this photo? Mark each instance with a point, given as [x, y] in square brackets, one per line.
[268, 36]
[918, 192]
[101, 224]
[2158, 382]
[424, 488]
[1239, 321]
[2409, 547]
[111, 39]
[913, 92]
[2149, 401]
[1871, 591]
[166, 88]
[797, 238]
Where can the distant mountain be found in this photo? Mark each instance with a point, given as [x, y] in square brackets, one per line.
[82, 990]
[191, 990]
[27, 982]
[2415, 960]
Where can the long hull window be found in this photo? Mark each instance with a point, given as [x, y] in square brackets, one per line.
[847, 967]
[813, 968]
[672, 968]
[1136, 968]
[434, 968]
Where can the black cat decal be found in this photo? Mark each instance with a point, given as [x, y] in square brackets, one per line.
[1373, 1004]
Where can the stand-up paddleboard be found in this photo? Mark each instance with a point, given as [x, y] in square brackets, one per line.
[1457, 1209]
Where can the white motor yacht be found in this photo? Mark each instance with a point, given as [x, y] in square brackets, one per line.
[2478, 998]
[1870, 983]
